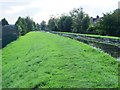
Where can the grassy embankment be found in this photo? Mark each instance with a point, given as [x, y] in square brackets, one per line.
[41, 59]
[91, 35]
[0, 69]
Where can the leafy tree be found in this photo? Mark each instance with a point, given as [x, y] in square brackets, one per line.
[85, 24]
[37, 27]
[4, 22]
[22, 26]
[80, 20]
[26, 25]
[53, 24]
[30, 24]
[60, 23]
[65, 24]
[43, 25]
[110, 23]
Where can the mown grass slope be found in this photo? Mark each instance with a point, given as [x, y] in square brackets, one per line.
[45, 60]
[0, 69]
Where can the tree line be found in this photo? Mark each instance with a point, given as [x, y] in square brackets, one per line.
[26, 25]
[77, 21]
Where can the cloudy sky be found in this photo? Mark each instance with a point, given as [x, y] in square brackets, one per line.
[40, 10]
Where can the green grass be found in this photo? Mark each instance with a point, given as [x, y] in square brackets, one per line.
[0, 69]
[91, 35]
[45, 60]
[111, 37]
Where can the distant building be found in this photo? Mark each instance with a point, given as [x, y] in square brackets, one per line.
[95, 20]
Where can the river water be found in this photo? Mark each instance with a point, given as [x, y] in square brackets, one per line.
[114, 51]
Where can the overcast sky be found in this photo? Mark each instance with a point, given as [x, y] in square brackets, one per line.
[40, 10]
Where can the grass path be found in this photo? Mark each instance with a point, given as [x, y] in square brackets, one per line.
[41, 59]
